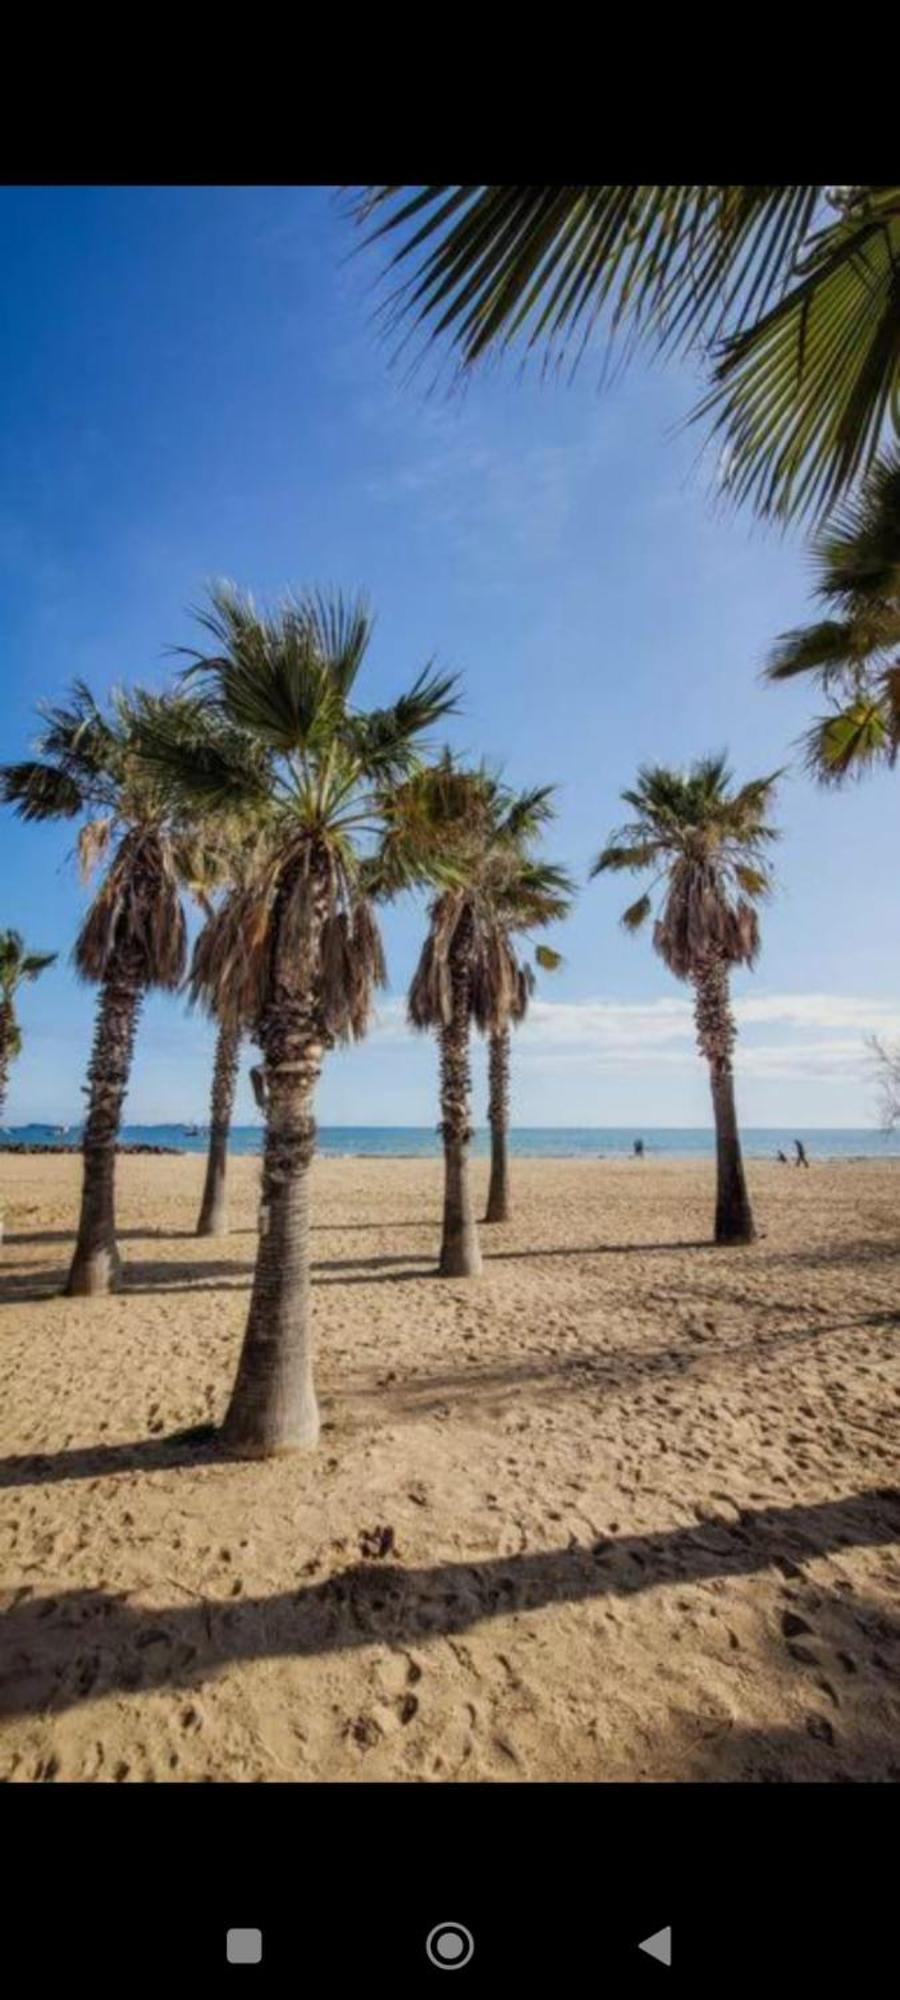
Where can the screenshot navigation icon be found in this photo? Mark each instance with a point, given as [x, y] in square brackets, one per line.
[659, 1945]
[449, 1946]
[244, 1947]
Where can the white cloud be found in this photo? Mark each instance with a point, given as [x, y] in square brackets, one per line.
[824, 1034]
[822, 1010]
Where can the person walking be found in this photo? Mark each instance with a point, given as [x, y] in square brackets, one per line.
[802, 1160]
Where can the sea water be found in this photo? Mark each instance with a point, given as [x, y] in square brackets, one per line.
[554, 1142]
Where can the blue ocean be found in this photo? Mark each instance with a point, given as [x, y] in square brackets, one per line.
[538, 1142]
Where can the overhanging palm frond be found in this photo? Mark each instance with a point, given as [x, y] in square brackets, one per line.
[485, 265]
[855, 657]
[805, 319]
[804, 399]
[849, 743]
[830, 649]
[857, 555]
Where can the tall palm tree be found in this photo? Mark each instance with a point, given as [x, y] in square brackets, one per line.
[533, 894]
[854, 654]
[296, 951]
[792, 290]
[468, 973]
[133, 936]
[16, 966]
[707, 846]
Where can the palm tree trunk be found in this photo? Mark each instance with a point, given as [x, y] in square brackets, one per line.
[213, 1218]
[716, 1035]
[96, 1266]
[460, 1251]
[273, 1406]
[498, 1118]
[7, 1023]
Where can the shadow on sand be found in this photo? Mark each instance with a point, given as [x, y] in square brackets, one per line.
[62, 1650]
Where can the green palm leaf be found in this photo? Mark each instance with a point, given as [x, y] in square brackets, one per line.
[803, 399]
[39, 791]
[855, 655]
[803, 323]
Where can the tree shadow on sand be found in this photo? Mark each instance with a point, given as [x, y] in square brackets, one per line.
[160, 1235]
[81, 1644]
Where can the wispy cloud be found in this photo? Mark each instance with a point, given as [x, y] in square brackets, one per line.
[824, 1034]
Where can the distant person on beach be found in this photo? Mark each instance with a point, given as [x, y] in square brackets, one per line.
[802, 1160]
[783, 1158]
[639, 1149]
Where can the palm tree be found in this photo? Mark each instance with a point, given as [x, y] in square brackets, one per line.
[213, 1217]
[536, 893]
[233, 858]
[854, 654]
[16, 965]
[792, 290]
[133, 936]
[468, 972]
[296, 950]
[707, 844]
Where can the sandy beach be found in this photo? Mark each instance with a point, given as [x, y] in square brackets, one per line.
[624, 1508]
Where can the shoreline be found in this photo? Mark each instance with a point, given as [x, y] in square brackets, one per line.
[36, 1150]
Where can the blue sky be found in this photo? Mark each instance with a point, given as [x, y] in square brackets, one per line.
[192, 386]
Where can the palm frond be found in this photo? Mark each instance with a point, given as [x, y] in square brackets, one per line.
[201, 765]
[487, 265]
[93, 843]
[136, 916]
[40, 791]
[804, 320]
[636, 913]
[803, 399]
[857, 554]
[387, 741]
[847, 743]
[340, 629]
[624, 854]
[708, 841]
[17, 964]
[831, 649]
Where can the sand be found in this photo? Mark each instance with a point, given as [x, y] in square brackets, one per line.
[624, 1508]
